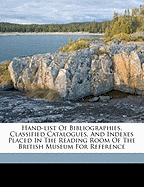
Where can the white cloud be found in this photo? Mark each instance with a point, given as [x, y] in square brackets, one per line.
[62, 11]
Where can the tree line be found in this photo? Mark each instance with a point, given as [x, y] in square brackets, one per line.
[92, 27]
[127, 23]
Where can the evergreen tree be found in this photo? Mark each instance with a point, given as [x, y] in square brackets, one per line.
[107, 32]
[127, 23]
[135, 12]
[115, 29]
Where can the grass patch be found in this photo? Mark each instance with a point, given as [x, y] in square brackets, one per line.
[75, 45]
[47, 94]
[5, 78]
[125, 37]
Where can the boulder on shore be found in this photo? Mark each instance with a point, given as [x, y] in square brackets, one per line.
[77, 74]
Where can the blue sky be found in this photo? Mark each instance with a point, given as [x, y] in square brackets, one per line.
[62, 11]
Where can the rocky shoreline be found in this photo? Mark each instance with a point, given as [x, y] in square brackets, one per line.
[87, 81]
[77, 74]
[49, 33]
[17, 108]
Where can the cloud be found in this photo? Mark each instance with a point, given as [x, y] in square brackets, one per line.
[62, 11]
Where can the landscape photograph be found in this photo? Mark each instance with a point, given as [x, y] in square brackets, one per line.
[64, 61]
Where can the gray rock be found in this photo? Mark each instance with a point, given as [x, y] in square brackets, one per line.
[128, 73]
[142, 60]
[62, 83]
[77, 74]
[49, 118]
[1, 119]
[124, 116]
[104, 99]
[122, 42]
[116, 42]
[95, 99]
[73, 75]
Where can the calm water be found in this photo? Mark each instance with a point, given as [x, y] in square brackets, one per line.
[15, 46]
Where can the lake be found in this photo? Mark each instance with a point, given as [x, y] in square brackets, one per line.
[23, 45]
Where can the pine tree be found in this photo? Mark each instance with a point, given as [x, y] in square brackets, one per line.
[107, 32]
[115, 29]
[135, 12]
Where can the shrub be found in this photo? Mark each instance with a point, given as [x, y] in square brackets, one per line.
[122, 37]
[5, 78]
[75, 45]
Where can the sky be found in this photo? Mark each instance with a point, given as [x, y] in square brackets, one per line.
[62, 11]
